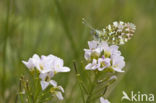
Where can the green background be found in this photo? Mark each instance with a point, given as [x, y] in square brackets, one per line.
[55, 27]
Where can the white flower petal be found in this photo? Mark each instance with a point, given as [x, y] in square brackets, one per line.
[46, 64]
[102, 100]
[65, 69]
[44, 84]
[43, 76]
[118, 63]
[61, 88]
[118, 70]
[92, 66]
[59, 95]
[106, 62]
[28, 64]
[87, 54]
[46, 70]
[89, 66]
[52, 82]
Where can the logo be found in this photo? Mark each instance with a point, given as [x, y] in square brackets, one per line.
[137, 97]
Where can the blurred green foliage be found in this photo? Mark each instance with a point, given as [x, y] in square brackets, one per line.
[55, 27]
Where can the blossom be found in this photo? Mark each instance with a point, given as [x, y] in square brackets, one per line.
[92, 66]
[46, 76]
[103, 63]
[58, 66]
[101, 56]
[93, 51]
[99, 64]
[57, 90]
[118, 63]
[46, 64]
[32, 62]
[102, 100]
[44, 84]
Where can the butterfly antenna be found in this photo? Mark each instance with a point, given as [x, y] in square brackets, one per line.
[87, 24]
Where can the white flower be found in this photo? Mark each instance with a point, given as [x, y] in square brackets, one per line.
[102, 100]
[103, 63]
[56, 92]
[46, 64]
[32, 62]
[110, 50]
[44, 84]
[118, 63]
[52, 63]
[114, 50]
[99, 64]
[58, 66]
[46, 76]
[93, 50]
[92, 53]
[92, 66]
[100, 56]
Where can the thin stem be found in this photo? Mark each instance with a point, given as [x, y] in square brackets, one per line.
[38, 90]
[28, 91]
[78, 79]
[98, 96]
[92, 88]
[20, 90]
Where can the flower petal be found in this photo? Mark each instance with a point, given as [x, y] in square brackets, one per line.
[52, 82]
[61, 88]
[102, 100]
[44, 84]
[59, 95]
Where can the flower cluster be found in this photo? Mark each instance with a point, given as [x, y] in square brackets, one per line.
[101, 56]
[103, 53]
[47, 67]
[116, 33]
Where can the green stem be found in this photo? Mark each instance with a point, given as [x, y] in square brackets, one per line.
[92, 88]
[28, 92]
[98, 96]
[21, 96]
[20, 90]
[38, 90]
[78, 79]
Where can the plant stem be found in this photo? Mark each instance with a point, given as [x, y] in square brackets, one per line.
[78, 79]
[92, 88]
[38, 90]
